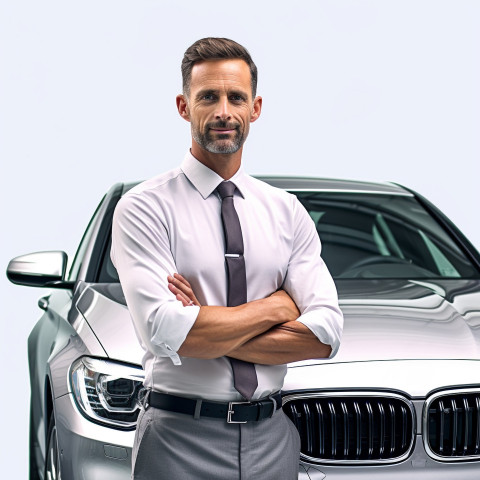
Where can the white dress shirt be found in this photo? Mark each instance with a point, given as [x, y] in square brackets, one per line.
[172, 223]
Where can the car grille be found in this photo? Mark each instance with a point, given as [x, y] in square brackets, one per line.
[352, 427]
[453, 425]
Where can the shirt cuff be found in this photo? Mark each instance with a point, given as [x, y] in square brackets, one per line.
[327, 331]
[173, 323]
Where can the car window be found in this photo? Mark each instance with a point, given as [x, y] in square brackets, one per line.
[383, 236]
[77, 261]
[373, 236]
[108, 273]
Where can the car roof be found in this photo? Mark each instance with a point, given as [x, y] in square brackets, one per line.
[297, 183]
[293, 183]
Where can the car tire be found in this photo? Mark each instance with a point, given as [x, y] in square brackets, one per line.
[52, 455]
[33, 467]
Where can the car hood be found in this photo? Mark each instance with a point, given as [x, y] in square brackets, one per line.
[384, 320]
[409, 319]
[104, 308]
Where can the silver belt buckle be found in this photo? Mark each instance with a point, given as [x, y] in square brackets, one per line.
[231, 411]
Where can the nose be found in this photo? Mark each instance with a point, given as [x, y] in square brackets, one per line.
[223, 109]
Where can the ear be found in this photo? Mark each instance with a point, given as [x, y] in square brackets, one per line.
[182, 107]
[257, 109]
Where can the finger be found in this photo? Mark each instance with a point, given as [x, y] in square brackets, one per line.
[182, 297]
[182, 279]
[183, 286]
[179, 282]
[179, 295]
[185, 301]
[176, 291]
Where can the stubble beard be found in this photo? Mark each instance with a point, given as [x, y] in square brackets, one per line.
[222, 143]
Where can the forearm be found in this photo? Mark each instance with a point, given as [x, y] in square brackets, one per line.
[289, 342]
[219, 330]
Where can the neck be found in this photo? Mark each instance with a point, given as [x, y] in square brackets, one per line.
[226, 165]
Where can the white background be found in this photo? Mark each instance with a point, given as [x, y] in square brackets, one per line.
[365, 89]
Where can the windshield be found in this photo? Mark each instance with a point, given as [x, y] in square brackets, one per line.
[383, 236]
[367, 235]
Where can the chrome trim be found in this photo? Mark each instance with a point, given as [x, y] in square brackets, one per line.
[466, 428]
[341, 190]
[373, 394]
[370, 426]
[428, 402]
[477, 441]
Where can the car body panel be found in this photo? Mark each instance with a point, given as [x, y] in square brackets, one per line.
[427, 320]
[412, 378]
[416, 467]
[117, 335]
[431, 345]
[87, 447]
[73, 339]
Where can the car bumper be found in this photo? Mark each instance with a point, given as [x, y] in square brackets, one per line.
[89, 451]
[418, 466]
[93, 452]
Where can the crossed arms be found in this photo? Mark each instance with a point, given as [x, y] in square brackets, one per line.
[262, 331]
[267, 331]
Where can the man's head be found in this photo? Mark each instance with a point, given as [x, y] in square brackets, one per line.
[219, 83]
[212, 48]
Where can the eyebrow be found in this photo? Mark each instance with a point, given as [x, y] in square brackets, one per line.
[238, 92]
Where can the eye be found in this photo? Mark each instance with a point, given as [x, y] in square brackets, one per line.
[208, 97]
[236, 98]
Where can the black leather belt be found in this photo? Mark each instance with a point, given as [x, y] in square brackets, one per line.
[232, 412]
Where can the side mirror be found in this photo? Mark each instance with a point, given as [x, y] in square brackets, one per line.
[40, 269]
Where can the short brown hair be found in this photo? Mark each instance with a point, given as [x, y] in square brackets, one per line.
[212, 48]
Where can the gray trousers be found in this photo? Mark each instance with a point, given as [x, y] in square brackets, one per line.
[175, 446]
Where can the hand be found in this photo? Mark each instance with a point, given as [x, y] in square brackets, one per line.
[182, 290]
[288, 309]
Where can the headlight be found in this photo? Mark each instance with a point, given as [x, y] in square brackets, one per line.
[107, 392]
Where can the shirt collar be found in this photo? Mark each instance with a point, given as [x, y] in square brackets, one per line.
[206, 180]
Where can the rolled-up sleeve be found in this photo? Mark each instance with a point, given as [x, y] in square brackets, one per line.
[310, 284]
[142, 256]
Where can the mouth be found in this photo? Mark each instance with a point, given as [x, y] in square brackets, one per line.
[223, 128]
[223, 131]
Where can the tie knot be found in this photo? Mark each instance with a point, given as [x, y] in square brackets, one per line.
[226, 189]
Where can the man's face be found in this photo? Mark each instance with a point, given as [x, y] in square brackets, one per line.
[220, 106]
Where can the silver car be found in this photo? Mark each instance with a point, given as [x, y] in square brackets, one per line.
[401, 399]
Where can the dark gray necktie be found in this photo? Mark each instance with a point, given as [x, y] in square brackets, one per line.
[244, 374]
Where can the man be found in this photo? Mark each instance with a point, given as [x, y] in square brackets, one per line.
[225, 285]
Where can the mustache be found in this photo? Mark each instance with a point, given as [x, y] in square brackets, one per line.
[222, 124]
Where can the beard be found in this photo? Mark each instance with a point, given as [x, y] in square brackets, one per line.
[221, 143]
